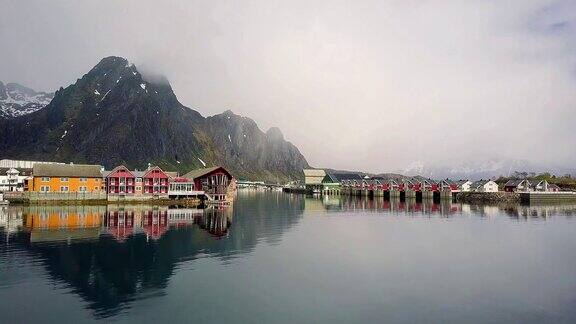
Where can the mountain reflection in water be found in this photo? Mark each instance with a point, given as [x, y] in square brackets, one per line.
[113, 256]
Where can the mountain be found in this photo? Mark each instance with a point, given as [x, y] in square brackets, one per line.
[240, 144]
[18, 100]
[116, 115]
[479, 169]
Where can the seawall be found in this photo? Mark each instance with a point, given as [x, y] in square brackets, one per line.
[488, 197]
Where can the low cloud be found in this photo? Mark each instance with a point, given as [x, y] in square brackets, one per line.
[371, 85]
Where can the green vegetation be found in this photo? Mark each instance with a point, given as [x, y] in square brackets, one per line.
[565, 182]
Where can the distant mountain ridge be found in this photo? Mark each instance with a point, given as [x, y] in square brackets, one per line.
[115, 115]
[480, 169]
[17, 100]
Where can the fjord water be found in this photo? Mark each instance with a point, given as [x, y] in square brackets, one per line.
[280, 258]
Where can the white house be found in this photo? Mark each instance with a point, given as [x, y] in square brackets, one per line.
[484, 186]
[464, 185]
[12, 179]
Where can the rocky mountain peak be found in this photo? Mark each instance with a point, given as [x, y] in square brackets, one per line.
[275, 134]
[117, 114]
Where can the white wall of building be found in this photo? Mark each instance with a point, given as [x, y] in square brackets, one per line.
[489, 186]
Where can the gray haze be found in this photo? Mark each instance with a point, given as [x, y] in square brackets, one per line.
[371, 85]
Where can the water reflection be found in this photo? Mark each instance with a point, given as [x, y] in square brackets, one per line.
[114, 256]
[111, 256]
[443, 208]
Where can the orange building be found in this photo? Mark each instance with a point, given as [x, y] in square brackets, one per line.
[65, 178]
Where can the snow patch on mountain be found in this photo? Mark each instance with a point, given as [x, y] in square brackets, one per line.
[17, 100]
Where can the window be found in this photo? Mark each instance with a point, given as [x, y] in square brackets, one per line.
[44, 189]
[138, 188]
[45, 179]
[82, 188]
[138, 179]
[64, 179]
[64, 188]
[83, 179]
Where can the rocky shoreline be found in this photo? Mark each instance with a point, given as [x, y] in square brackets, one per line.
[488, 197]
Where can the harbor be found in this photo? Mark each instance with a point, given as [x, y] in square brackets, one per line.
[40, 182]
[320, 182]
[113, 261]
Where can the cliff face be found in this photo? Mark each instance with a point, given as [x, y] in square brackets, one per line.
[115, 115]
[244, 147]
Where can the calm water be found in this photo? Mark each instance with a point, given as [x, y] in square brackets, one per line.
[279, 258]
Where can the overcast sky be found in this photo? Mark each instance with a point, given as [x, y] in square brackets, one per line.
[369, 85]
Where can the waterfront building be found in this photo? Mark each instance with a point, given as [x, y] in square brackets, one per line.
[216, 182]
[422, 184]
[330, 185]
[12, 179]
[21, 164]
[464, 185]
[65, 178]
[450, 185]
[544, 185]
[313, 179]
[155, 182]
[181, 187]
[484, 186]
[123, 182]
[541, 185]
[518, 185]
[14, 174]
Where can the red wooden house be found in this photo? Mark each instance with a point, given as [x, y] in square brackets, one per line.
[120, 181]
[214, 181]
[155, 182]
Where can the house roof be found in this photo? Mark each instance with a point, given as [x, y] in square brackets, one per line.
[23, 171]
[204, 171]
[462, 182]
[314, 172]
[171, 174]
[479, 183]
[67, 170]
[150, 169]
[329, 178]
[106, 173]
[448, 182]
[515, 182]
[347, 176]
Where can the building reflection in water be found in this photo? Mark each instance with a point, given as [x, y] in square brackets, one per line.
[442, 208]
[112, 255]
[59, 223]
[124, 221]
